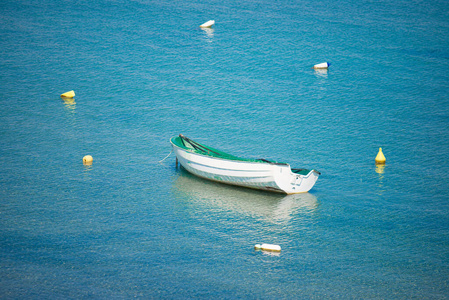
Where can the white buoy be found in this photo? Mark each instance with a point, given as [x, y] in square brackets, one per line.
[69, 94]
[323, 65]
[87, 160]
[268, 247]
[208, 24]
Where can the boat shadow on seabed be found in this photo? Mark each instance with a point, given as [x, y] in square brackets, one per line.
[271, 206]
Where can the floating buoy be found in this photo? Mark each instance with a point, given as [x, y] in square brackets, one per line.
[323, 65]
[69, 94]
[87, 160]
[268, 247]
[380, 158]
[208, 24]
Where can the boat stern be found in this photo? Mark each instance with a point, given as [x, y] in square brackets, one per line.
[295, 181]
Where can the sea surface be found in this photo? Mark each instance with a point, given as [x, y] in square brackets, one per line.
[133, 225]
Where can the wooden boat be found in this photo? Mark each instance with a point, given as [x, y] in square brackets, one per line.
[213, 164]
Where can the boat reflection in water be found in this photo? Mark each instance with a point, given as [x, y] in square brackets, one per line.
[270, 206]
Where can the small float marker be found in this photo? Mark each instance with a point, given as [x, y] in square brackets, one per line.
[208, 24]
[69, 94]
[380, 158]
[87, 160]
[268, 247]
[323, 65]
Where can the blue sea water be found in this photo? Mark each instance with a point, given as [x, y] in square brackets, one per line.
[134, 225]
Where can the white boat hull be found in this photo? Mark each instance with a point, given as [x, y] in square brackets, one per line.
[256, 175]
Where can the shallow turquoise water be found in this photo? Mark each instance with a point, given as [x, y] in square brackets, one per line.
[143, 71]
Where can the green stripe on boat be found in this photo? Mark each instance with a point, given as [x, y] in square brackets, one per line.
[195, 147]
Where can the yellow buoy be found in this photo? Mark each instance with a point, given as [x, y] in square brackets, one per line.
[87, 160]
[380, 158]
[69, 94]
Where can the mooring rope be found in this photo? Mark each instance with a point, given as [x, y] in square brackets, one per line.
[166, 156]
